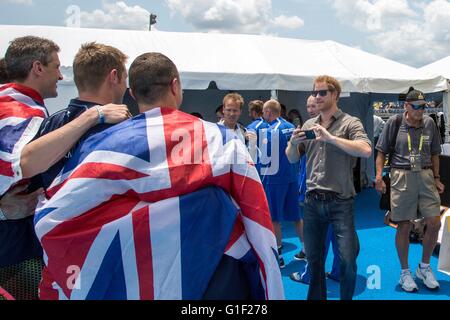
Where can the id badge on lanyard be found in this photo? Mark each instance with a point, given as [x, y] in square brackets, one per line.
[415, 158]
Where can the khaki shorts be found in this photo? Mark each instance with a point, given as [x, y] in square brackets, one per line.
[413, 195]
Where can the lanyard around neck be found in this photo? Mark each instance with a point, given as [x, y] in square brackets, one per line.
[420, 143]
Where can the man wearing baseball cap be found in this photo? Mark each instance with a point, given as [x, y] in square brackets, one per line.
[415, 182]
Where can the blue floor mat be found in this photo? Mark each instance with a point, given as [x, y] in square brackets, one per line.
[377, 256]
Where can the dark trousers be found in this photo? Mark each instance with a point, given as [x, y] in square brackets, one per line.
[317, 217]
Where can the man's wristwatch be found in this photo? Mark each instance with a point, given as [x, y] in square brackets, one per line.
[2, 215]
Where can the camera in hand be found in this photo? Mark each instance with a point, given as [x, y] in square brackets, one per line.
[310, 134]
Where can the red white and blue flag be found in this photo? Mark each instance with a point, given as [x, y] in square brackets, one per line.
[21, 112]
[147, 208]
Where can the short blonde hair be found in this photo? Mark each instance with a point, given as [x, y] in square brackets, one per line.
[273, 105]
[332, 83]
[236, 97]
[93, 62]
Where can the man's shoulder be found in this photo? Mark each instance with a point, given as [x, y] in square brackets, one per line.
[310, 122]
[256, 123]
[393, 120]
[348, 117]
[59, 119]
[288, 125]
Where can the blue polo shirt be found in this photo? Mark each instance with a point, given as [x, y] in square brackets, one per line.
[276, 168]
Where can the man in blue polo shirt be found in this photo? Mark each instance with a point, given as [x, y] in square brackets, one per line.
[278, 175]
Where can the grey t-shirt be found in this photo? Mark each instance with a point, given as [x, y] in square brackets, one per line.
[431, 144]
[327, 166]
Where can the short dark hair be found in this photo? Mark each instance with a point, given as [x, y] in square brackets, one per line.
[197, 114]
[149, 76]
[4, 78]
[24, 51]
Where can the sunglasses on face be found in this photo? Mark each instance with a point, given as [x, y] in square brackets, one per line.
[321, 93]
[418, 106]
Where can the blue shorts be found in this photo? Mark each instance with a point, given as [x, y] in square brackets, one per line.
[283, 201]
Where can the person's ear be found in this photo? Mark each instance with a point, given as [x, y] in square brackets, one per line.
[114, 76]
[174, 86]
[37, 68]
[132, 93]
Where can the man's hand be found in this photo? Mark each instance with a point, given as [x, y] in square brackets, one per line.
[297, 136]
[115, 113]
[16, 206]
[439, 185]
[322, 134]
[380, 186]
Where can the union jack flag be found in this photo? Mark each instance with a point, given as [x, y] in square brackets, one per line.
[21, 112]
[126, 217]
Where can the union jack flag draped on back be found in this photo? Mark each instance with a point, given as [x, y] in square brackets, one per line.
[21, 113]
[126, 218]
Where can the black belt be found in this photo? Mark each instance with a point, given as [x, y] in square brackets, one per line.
[409, 168]
[322, 195]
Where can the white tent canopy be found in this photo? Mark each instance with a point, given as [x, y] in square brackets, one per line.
[440, 67]
[252, 65]
[243, 62]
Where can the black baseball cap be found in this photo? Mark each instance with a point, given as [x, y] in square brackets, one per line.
[415, 96]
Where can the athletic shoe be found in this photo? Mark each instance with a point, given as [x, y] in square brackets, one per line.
[300, 256]
[427, 276]
[407, 282]
[296, 276]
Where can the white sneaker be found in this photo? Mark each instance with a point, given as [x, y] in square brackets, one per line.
[407, 282]
[427, 276]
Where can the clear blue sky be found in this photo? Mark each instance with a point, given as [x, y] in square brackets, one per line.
[414, 32]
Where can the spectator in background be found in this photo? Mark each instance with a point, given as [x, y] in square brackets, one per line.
[255, 109]
[283, 111]
[232, 110]
[295, 118]
[279, 176]
[378, 125]
[196, 114]
[219, 113]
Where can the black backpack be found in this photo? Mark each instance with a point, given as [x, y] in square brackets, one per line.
[385, 201]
